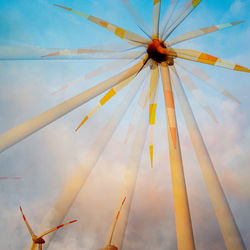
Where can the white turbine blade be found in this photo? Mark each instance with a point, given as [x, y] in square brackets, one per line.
[8, 53]
[24, 53]
[139, 108]
[197, 94]
[191, 5]
[154, 80]
[56, 228]
[156, 18]
[107, 48]
[22, 131]
[197, 56]
[96, 55]
[106, 98]
[203, 76]
[167, 16]
[26, 222]
[199, 32]
[137, 17]
[101, 70]
[185, 239]
[120, 32]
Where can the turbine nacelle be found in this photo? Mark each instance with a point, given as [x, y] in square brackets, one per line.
[157, 51]
[38, 240]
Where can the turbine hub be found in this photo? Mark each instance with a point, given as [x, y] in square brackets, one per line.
[39, 240]
[157, 51]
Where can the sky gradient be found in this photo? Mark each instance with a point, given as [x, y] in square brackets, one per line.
[45, 160]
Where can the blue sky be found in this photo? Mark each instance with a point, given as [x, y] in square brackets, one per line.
[45, 164]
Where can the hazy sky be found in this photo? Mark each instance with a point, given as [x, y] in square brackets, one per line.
[45, 160]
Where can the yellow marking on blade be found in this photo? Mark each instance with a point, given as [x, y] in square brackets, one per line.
[103, 24]
[151, 151]
[195, 2]
[109, 95]
[152, 112]
[120, 32]
[156, 1]
[209, 29]
[173, 134]
[205, 58]
[169, 99]
[84, 120]
[240, 68]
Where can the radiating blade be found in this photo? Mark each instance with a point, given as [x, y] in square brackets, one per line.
[107, 48]
[139, 108]
[120, 32]
[137, 17]
[101, 70]
[27, 128]
[40, 246]
[112, 92]
[152, 108]
[24, 53]
[203, 76]
[26, 222]
[184, 232]
[8, 53]
[34, 246]
[197, 56]
[116, 219]
[199, 32]
[169, 102]
[56, 228]
[197, 94]
[191, 5]
[97, 55]
[156, 18]
[167, 16]
[137, 44]
[80, 51]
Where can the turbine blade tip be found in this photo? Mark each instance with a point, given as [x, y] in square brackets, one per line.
[63, 7]
[235, 23]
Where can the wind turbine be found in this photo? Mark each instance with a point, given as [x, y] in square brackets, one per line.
[38, 241]
[109, 245]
